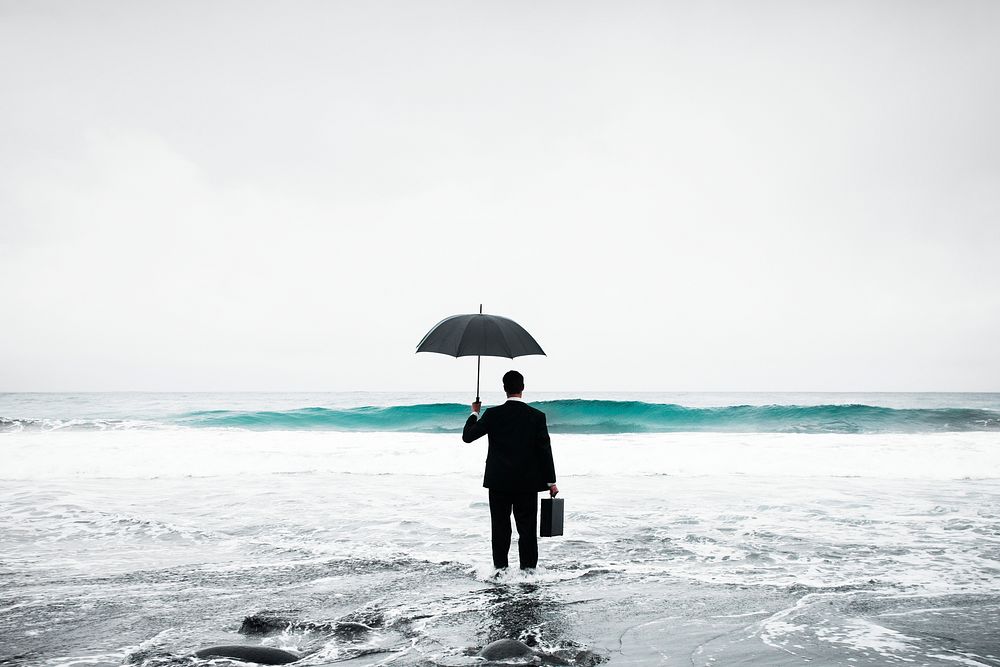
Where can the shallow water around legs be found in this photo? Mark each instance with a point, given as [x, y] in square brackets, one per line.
[369, 549]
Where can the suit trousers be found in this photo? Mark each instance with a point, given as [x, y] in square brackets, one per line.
[525, 508]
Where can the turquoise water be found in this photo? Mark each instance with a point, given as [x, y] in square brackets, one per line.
[608, 417]
[421, 413]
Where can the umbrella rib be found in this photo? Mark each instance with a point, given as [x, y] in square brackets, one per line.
[506, 341]
[461, 338]
[498, 335]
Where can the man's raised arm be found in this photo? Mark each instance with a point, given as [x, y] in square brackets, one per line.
[475, 427]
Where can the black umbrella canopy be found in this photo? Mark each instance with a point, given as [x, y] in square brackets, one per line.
[479, 335]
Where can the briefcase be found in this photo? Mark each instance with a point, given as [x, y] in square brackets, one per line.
[551, 524]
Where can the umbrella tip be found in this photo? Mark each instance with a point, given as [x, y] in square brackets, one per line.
[480, 309]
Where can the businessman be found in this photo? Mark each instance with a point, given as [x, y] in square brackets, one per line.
[518, 466]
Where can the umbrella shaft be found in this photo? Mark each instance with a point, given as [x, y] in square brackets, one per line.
[478, 359]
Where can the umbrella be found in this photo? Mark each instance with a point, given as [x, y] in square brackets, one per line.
[479, 335]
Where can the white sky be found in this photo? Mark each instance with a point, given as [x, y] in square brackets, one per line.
[670, 196]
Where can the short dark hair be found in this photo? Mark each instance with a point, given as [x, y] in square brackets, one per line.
[513, 382]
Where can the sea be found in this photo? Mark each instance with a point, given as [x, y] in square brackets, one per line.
[352, 529]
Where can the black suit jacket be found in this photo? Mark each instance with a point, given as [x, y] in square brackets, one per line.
[520, 452]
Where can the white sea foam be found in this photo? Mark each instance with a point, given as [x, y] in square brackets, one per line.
[153, 515]
[223, 452]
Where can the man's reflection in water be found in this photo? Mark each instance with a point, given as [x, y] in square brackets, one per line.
[530, 614]
[517, 612]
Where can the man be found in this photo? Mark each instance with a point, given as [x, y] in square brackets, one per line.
[518, 466]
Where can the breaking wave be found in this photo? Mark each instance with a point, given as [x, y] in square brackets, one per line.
[567, 416]
[608, 417]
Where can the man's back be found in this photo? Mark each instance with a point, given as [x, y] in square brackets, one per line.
[520, 452]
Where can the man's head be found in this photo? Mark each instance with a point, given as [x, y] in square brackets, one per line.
[513, 383]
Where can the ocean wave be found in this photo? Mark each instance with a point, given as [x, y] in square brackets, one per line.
[577, 416]
[609, 417]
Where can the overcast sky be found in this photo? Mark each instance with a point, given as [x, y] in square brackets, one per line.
[670, 196]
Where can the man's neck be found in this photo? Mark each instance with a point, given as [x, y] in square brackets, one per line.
[514, 397]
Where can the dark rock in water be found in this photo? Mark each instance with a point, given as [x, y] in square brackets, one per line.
[504, 649]
[517, 652]
[259, 654]
[264, 623]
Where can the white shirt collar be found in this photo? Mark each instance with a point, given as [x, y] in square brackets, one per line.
[515, 398]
